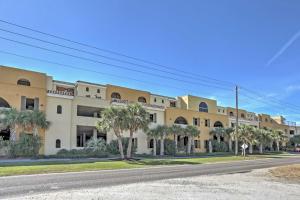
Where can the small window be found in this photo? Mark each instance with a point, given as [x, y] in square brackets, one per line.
[196, 121]
[231, 114]
[232, 125]
[266, 119]
[242, 115]
[98, 91]
[142, 100]
[154, 99]
[29, 104]
[87, 89]
[115, 95]
[203, 107]
[153, 117]
[173, 104]
[207, 123]
[23, 82]
[57, 144]
[162, 101]
[292, 132]
[59, 109]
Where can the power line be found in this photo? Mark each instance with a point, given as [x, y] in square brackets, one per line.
[97, 72]
[113, 52]
[100, 55]
[113, 65]
[277, 100]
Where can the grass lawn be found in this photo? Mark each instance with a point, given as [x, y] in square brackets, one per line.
[20, 168]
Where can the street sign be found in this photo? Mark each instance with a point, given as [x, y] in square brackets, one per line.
[244, 146]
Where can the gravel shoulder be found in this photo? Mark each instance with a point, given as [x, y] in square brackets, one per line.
[258, 184]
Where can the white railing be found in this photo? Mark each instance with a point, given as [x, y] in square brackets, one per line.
[66, 93]
[126, 102]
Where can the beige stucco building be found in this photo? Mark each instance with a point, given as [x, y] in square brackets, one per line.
[74, 108]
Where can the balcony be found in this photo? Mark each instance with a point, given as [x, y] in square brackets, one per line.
[126, 102]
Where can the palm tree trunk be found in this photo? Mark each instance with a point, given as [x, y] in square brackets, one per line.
[12, 134]
[250, 148]
[162, 146]
[154, 147]
[129, 148]
[35, 131]
[193, 146]
[236, 149]
[260, 148]
[121, 147]
[230, 145]
[277, 145]
[176, 143]
[210, 146]
[189, 145]
[271, 146]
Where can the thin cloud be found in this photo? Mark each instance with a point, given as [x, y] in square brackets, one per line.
[284, 48]
[292, 88]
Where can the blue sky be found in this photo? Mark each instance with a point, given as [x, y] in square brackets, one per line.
[252, 43]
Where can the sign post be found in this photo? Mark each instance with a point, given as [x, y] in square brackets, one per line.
[244, 147]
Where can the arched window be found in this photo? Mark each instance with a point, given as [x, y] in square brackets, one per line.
[231, 114]
[180, 120]
[58, 143]
[87, 89]
[242, 115]
[3, 103]
[115, 95]
[59, 109]
[98, 91]
[23, 82]
[203, 107]
[218, 124]
[142, 100]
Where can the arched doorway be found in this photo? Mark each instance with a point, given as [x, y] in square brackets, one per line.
[218, 124]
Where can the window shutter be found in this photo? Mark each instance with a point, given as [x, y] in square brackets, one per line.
[36, 103]
[23, 103]
[154, 116]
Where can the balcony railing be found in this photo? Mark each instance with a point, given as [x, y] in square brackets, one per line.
[65, 93]
[289, 123]
[126, 102]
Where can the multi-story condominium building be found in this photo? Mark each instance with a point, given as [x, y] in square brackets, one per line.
[74, 108]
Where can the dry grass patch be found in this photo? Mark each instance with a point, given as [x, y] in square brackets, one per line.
[290, 172]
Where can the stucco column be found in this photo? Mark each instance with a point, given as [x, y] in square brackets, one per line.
[95, 133]
[84, 139]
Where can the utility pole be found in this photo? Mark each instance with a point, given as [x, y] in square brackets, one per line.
[237, 119]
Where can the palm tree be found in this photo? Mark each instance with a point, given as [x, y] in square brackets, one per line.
[263, 137]
[163, 132]
[279, 137]
[191, 132]
[38, 121]
[154, 135]
[137, 118]
[175, 130]
[113, 118]
[229, 135]
[11, 119]
[218, 132]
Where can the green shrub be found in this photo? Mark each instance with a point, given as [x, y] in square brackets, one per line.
[113, 146]
[81, 153]
[219, 147]
[169, 147]
[96, 144]
[28, 145]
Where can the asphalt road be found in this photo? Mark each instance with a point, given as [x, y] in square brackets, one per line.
[29, 184]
